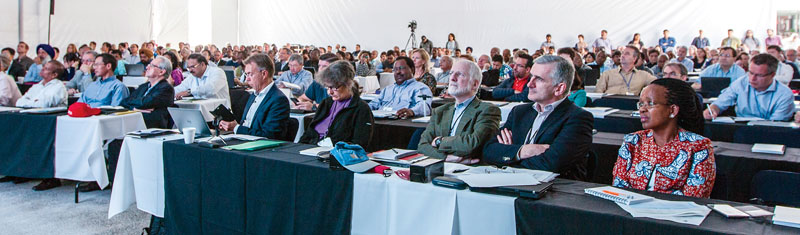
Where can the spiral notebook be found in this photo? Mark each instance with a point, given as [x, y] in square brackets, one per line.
[617, 195]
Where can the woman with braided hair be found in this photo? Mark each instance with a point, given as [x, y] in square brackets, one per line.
[668, 156]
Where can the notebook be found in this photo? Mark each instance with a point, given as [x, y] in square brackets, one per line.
[394, 154]
[769, 148]
[787, 216]
[254, 145]
[617, 195]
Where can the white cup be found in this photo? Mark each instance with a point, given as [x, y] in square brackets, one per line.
[188, 135]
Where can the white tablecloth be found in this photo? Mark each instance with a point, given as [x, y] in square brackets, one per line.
[205, 106]
[140, 176]
[369, 83]
[301, 121]
[79, 144]
[395, 206]
[386, 79]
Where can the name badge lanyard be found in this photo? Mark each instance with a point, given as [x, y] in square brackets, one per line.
[458, 119]
[628, 81]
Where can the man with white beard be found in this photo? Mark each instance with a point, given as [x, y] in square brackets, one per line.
[457, 131]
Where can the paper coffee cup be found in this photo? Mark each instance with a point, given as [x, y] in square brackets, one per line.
[188, 135]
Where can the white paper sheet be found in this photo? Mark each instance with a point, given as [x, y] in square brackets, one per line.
[499, 179]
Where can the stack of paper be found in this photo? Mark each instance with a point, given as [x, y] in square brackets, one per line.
[424, 119]
[675, 211]
[369, 97]
[499, 179]
[595, 96]
[383, 114]
[723, 120]
[787, 216]
[600, 112]
[773, 123]
[394, 154]
[768, 148]
[315, 151]
[543, 176]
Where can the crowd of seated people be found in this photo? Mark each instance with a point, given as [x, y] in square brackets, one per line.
[552, 132]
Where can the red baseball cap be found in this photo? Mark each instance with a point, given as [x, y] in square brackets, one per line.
[82, 110]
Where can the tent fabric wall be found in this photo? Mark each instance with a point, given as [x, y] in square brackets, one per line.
[382, 24]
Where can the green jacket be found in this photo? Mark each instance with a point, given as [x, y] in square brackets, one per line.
[479, 122]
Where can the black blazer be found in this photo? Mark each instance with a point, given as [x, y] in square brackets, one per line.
[17, 70]
[159, 98]
[353, 124]
[505, 91]
[568, 131]
[271, 118]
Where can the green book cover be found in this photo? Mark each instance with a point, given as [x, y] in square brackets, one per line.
[254, 145]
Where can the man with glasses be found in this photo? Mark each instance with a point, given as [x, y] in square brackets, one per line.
[553, 134]
[756, 95]
[267, 111]
[405, 96]
[626, 79]
[296, 79]
[154, 96]
[724, 67]
[107, 90]
[83, 76]
[204, 82]
[676, 70]
[515, 89]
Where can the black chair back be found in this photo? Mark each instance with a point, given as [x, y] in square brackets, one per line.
[771, 187]
[712, 86]
[290, 132]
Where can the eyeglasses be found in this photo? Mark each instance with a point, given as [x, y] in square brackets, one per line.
[648, 105]
[672, 74]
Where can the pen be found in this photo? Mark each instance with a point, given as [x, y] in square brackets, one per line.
[395, 151]
[710, 111]
[609, 192]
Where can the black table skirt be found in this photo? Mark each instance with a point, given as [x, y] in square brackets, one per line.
[274, 191]
[29, 145]
[568, 210]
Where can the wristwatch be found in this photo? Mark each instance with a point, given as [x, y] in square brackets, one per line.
[438, 141]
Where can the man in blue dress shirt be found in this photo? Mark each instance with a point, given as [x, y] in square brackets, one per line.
[299, 77]
[107, 89]
[757, 95]
[724, 67]
[666, 42]
[405, 95]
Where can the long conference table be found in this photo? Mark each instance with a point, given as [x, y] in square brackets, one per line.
[279, 191]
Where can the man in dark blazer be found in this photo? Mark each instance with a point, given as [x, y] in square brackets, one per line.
[154, 96]
[522, 74]
[457, 131]
[552, 134]
[267, 111]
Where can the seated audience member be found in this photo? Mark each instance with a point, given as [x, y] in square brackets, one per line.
[700, 60]
[577, 94]
[658, 69]
[299, 78]
[457, 131]
[50, 92]
[668, 156]
[44, 53]
[757, 95]
[120, 70]
[743, 61]
[71, 61]
[677, 71]
[724, 67]
[176, 76]
[363, 66]
[405, 96]
[84, 75]
[204, 82]
[515, 89]
[316, 93]
[640, 64]
[552, 134]
[15, 69]
[145, 56]
[107, 90]
[283, 60]
[386, 65]
[154, 96]
[666, 42]
[652, 57]
[785, 71]
[267, 111]
[423, 68]
[505, 70]
[600, 62]
[9, 92]
[625, 80]
[446, 64]
[134, 57]
[343, 116]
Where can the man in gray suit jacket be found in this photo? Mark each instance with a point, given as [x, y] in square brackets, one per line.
[457, 131]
